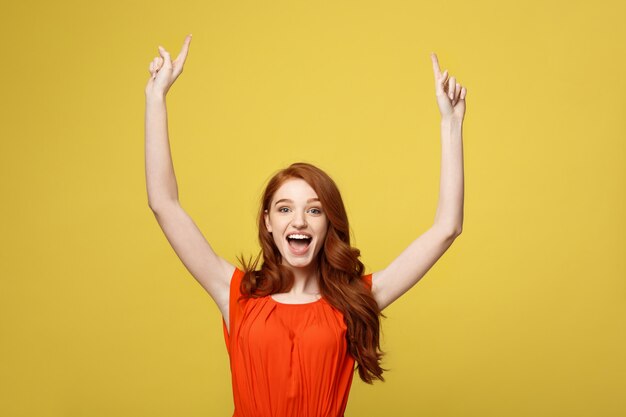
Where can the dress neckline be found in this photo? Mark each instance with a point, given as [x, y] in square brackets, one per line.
[295, 304]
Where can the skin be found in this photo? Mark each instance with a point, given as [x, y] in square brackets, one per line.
[300, 215]
[450, 94]
[214, 272]
[164, 71]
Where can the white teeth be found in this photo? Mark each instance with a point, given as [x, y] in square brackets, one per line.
[297, 236]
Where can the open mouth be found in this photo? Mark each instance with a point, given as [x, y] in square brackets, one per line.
[299, 243]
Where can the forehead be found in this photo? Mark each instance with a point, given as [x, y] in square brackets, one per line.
[295, 189]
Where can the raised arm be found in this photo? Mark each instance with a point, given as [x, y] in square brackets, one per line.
[211, 271]
[413, 263]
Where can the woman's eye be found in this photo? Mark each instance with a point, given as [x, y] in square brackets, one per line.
[283, 209]
[316, 211]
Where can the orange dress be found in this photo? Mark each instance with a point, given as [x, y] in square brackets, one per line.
[287, 360]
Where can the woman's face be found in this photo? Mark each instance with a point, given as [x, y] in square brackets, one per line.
[297, 222]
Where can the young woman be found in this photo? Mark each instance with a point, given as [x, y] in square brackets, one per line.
[295, 326]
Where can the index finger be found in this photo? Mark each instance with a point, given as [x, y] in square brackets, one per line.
[183, 51]
[435, 64]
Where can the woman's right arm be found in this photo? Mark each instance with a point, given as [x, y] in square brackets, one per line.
[211, 271]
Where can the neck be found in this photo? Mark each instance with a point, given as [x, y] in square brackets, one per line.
[306, 280]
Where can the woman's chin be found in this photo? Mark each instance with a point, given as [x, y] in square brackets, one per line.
[297, 263]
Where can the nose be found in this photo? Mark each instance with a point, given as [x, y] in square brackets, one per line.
[299, 221]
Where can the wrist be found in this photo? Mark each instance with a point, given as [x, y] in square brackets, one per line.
[451, 121]
[152, 96]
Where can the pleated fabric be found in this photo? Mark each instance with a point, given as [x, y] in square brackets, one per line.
[287, 360]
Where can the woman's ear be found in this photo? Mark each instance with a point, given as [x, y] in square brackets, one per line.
[267, 221]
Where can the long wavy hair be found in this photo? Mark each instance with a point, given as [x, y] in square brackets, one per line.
[338, 266]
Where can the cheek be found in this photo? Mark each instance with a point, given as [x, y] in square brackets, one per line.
[322, 232]
[323, 228]
[277, 235]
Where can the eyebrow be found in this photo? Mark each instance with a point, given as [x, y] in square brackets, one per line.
[291, 201]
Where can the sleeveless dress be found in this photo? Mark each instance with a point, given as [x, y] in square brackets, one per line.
[287, 360]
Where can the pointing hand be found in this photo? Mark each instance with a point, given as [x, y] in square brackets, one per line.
[164, 71]
[450, 94]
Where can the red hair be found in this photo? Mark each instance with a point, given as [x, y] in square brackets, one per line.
[339, 268]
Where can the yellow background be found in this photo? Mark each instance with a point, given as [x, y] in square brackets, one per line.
[525, 315]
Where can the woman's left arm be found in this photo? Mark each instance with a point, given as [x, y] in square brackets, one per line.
[413, 263]
[449, 215]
